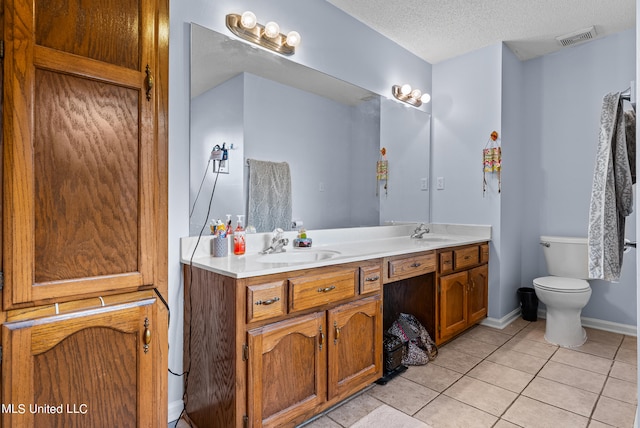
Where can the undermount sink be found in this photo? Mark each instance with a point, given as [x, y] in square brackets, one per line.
[298, 256]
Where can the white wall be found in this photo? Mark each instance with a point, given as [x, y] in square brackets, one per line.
[563, 96]
[466, 109]
[365, 58]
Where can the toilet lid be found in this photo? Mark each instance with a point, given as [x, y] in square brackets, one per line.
[566, 285]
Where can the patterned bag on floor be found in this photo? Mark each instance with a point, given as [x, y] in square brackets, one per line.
[421, 348]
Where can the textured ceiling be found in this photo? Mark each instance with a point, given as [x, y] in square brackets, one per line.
[436, 30]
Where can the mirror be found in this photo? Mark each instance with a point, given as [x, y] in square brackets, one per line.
[263, 106]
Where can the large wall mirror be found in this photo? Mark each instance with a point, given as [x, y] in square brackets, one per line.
[265, 107]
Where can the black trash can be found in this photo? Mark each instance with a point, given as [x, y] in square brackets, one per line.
[528, 303]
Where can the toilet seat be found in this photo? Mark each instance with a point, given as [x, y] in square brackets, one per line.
[561, 285]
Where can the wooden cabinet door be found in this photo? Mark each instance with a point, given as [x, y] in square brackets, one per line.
[453, 305]
[286, 370]
[80, 145]
[478, 293]
[355, 345]
[93, 368]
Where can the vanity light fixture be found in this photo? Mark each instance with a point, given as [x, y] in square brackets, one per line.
[405, 93]
[246, 27]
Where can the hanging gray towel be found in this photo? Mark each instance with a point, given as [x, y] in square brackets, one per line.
[611, 194]
[269, 195]
[630, 135]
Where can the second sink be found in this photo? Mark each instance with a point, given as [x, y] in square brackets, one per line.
[298, 256]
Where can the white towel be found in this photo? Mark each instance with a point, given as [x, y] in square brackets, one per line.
[611, 195]
[270, 204]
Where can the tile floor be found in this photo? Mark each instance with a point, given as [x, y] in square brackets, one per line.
[505, 378]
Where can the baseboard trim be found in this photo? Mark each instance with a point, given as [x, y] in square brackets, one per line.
[175, 408]
[502, 322]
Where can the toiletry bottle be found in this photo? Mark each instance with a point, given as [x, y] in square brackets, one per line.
[229, 227]
[238, 238]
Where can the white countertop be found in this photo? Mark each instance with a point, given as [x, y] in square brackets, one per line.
[351, 245]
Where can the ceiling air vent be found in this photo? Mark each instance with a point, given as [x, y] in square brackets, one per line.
[577, 36]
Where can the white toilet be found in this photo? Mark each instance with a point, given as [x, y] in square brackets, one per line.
[566, 292]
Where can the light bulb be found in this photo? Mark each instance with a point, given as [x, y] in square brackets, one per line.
[416, 94]
[271, 29]
[405, 89]
[248, 20]
[425, 98]
[293, 39]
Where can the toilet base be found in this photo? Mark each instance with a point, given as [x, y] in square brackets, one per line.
[565, 328]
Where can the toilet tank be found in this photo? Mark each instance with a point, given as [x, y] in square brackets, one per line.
[566, 256]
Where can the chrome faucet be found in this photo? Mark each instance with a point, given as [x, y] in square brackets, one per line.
[420, 231]
[278, 242]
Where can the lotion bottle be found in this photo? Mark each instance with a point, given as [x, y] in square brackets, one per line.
[238, 238]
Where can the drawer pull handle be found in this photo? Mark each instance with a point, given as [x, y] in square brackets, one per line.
[321, 338]
[467, 257]
[416, 264]
[337, 333]
[373, 278]
[268, 301]
[326, 290]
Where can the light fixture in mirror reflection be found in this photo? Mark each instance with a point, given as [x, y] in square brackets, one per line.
[246, 26]
[405, 93]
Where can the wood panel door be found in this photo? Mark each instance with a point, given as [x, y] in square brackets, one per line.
[93, 367]
[478, 293]
[81, 197]
[286, 370]
[453, 305]
[355, 345]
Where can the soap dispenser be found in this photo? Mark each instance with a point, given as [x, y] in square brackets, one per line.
[238, 237]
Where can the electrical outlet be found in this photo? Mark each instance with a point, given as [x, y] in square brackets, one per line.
[440, 183]
[321, 187]
[424, 183]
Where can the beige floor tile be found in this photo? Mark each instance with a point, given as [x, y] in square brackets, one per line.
[533, 332]
[472, 347]
[531, 347]
[488, 335]
[563, 396]
[629, 342]
[581, 360]
[605, 337]
[626, 355]
[624, 371]
[515, 326]
[486, 397]
[322, 422]
[454, 360]
[530, 413]
[386, 417]
[354, 410]
[597, 424]
[445, 412]
[621, 390]
[505, 424]
[573, 376]
[403, 394]
[597, 348]
[517, 360]
[614, 412]
[432, 376]
[502, 376]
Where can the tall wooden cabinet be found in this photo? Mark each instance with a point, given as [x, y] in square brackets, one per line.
[85, 210]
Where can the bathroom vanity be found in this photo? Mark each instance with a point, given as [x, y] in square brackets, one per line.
[273, 341]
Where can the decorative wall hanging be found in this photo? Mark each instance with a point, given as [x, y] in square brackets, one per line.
[491, 160]
[382, 171]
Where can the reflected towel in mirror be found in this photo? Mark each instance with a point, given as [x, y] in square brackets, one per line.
[270, 204]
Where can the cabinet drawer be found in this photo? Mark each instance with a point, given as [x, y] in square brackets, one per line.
[446, 261]
[317, 290]
[466, 257]
[370, 278]
[414, 265]
[266, 300]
